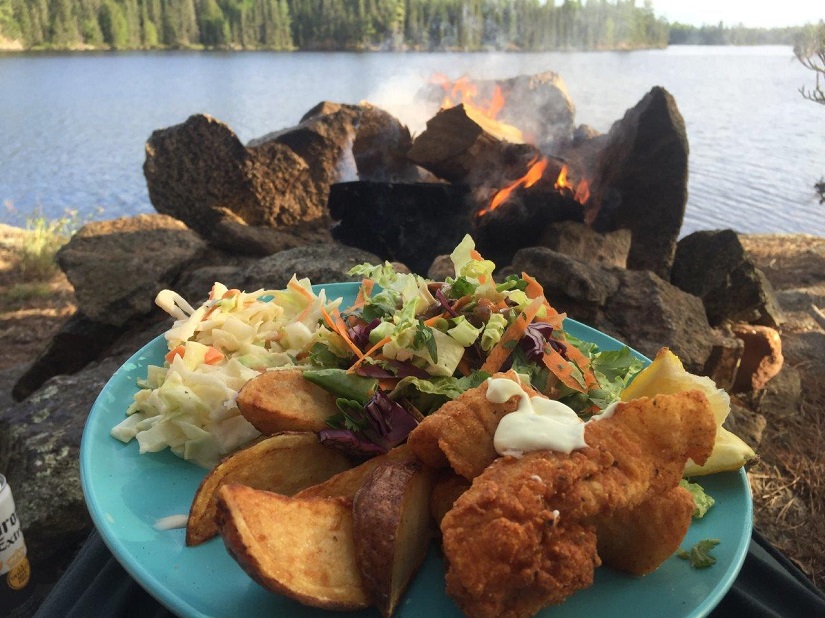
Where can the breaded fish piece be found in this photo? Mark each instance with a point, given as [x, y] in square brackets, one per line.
[638, 540]
[523, 536]
[282, 400]
[460, 433]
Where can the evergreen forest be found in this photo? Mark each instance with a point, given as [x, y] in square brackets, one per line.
[466, 25]
[355, 25]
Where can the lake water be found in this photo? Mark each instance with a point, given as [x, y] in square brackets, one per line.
[73, 126]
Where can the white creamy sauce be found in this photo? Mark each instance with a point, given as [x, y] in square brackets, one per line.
[537, 424]
[606, 413]
[171, 522]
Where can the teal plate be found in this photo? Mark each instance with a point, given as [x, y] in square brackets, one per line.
[127, 493]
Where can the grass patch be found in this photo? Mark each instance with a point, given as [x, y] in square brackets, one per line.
[20, 294]
[36, 253]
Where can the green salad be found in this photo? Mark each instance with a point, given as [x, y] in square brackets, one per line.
[400, 351]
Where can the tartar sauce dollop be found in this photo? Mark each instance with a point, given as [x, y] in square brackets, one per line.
[538, 423]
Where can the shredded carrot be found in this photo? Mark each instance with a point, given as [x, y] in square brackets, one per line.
[213, 355]
[583, 363]
[387, 384]
[178, 351]
[534, 290]
[297, 287]
[476, 255]
[462, 301]
[369, 353]
[561, 369]
[304, 313]
[513, 333]
[364, 292]
[231, 293]
[335, 322]
[435, 319]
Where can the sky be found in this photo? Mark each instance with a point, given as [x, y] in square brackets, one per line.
[753, 13]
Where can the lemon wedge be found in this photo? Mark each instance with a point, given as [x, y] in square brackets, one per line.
[666, 376]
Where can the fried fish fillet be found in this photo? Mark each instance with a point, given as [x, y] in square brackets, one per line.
[460, 433]
[523, 536]
[638, 540]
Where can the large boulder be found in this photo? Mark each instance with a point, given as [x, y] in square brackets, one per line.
[79, 341]
[584, 243]
[117, 267]
[714, 266]
[636, 307]
[651, 313]
[644, 161]
[201, 173]
[327, 263]
[39, 455]
[572, 285]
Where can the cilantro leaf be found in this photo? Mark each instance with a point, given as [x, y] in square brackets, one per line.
[699, 554]
[460, 287]
[424, 338]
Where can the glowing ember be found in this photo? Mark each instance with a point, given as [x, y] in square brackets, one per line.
[580, 191]
[533, 175]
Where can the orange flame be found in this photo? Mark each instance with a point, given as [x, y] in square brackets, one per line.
[463, 90]
[533, 175]
[580, 191]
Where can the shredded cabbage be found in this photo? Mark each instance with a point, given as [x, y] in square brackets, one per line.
[188, 405]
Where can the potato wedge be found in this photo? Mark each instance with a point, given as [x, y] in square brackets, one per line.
[345, 484]
[392, 528]
[285, 463]
[284, 401]
[301, 548]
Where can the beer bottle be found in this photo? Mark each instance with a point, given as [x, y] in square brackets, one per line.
[15, 570]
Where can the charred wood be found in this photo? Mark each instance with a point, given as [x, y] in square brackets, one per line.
[409, 223]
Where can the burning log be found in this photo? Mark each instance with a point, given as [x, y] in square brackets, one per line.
[522, 220]
[409, 223]
[538, 104]
[461, 139]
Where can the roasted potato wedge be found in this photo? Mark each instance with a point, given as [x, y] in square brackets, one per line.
[283, 400]
[301, 548]
[345, 484]
[285, 463]
[392, 528]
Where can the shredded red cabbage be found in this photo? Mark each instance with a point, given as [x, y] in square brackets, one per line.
[439, 295]
[534, 339]
[350, 442]
[389, 420]
[389, 426]
[360, 333]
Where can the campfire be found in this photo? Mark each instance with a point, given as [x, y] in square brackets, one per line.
[500, 159]
[505, 184]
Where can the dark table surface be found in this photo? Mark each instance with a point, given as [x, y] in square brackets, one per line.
[96, 585]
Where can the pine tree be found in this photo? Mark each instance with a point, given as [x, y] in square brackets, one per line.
[113, 25]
